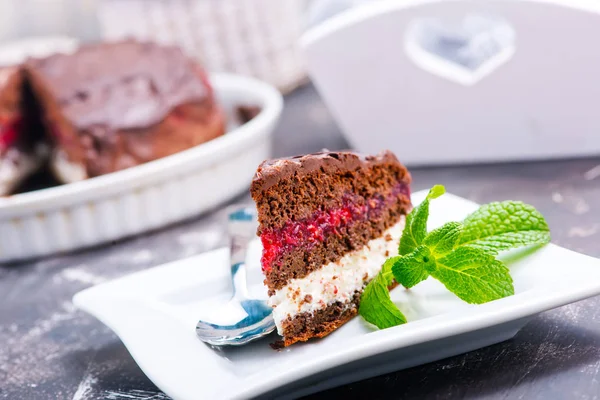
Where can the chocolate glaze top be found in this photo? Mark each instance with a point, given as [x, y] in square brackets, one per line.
[121, 85]
[271, 172]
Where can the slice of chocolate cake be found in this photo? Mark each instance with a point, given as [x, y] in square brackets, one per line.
[327, 222]
[112, 106]
[22, 148]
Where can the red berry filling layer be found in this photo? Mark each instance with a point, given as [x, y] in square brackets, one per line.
[315, 229]
[9, 131]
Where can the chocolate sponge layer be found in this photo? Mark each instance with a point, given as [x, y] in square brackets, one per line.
[321, 323]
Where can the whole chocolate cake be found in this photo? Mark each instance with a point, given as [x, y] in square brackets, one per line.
[327, 222]
[116, 105]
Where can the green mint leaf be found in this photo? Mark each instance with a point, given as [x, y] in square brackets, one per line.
[415, 228]
[441, 241]
[500, 226]
[386, 270]
[474, 275]
[376, 306]
[413, 268]
[435, 192]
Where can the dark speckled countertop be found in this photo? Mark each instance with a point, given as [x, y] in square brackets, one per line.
[49, 350]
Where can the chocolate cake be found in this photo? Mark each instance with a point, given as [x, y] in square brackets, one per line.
[327, 222]
[112, 106]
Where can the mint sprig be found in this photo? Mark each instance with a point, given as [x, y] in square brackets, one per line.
[461, 255]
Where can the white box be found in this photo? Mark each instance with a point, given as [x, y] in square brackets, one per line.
[535, 96]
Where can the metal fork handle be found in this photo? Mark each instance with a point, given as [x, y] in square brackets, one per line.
[242, 229]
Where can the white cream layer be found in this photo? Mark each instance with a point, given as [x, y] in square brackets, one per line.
[65, 170]
[335, 281]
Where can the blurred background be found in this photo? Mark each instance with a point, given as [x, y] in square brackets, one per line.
[249, 37]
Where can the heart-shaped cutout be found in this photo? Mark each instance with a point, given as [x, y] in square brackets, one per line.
[462, 52]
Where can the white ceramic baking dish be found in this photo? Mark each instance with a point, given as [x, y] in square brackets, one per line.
[148, 196]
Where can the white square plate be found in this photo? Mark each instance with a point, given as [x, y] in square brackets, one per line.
[154, 312]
